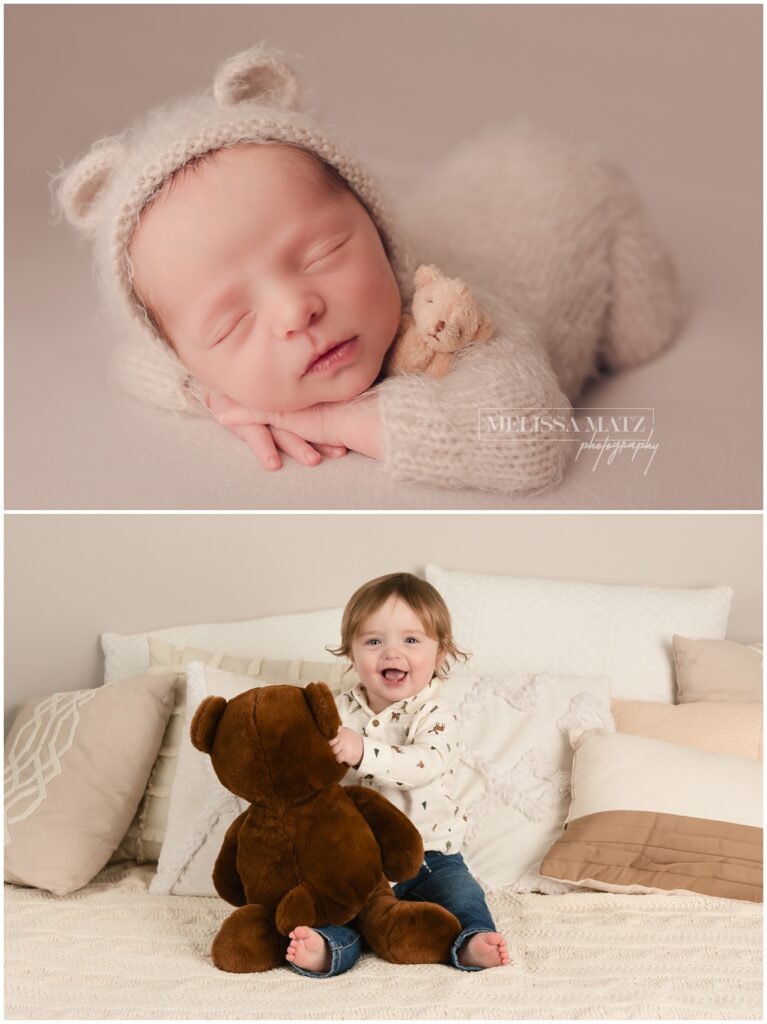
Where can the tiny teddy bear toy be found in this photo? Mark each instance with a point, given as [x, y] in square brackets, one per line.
[445, 318]
[307, 851]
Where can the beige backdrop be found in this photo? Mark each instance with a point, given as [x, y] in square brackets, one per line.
[71, 577]
[673, 92]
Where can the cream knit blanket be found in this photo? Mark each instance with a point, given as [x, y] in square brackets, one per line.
[112, 951]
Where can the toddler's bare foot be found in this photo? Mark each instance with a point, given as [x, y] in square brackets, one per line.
[309, 950]
[485, 949]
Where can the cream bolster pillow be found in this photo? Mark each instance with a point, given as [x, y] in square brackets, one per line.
[652, 816]
[650, 775]
[76, 765]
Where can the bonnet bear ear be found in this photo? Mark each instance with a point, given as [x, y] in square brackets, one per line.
[425, 274]
[205, 723]
[323, 708]
[79, 187]
[256, 74]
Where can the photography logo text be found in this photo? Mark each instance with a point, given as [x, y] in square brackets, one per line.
[603, 434]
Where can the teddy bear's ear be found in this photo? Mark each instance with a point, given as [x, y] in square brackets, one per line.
[323, 708]
[205, 723]
[257, 74]
[78, 188]
[425, 274]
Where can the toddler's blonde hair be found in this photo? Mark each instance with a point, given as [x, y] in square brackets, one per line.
[427, 603]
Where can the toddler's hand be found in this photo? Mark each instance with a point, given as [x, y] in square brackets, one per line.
[348, 747]
[264, 439]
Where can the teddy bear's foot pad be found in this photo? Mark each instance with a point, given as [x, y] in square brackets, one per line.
[404, 932]
[248, 941]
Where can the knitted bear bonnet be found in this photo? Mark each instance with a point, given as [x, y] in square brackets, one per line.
[255, 98]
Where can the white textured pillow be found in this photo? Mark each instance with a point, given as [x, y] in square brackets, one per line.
[513, 624]
[302, 635]
[514, 776]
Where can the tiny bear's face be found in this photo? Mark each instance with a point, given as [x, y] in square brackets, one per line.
[445, 309]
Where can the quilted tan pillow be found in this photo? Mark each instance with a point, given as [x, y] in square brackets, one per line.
[76, 765]
[649, 816]
[706, 725]
[717, 670]
[146, 834]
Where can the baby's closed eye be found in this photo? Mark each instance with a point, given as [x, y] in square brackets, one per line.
[231, 328]
[327, 252]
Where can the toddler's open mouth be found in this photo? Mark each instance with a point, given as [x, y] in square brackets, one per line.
[338, 355]
[393, 675]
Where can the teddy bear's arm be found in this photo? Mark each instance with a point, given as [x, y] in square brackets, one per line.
[398, 838]
[409, 353]
[226, 877]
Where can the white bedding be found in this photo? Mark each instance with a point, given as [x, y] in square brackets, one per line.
[112, 951]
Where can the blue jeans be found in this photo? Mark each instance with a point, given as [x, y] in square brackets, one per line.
[443, 879]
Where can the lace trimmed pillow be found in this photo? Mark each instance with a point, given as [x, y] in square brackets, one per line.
[514, 773]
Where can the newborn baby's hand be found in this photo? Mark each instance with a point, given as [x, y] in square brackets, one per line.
[264, 438]
[348, 747]
[352, 424]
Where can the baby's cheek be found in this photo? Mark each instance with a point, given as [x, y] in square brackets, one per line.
[264, 381]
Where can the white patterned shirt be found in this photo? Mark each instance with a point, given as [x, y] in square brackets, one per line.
[410, 749]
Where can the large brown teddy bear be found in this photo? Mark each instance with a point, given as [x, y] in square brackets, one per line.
[308, 851]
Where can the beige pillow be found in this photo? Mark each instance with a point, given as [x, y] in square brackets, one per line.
[717, 670]
[706, 725]
[146, 834]
[76, 765]
[649, 816]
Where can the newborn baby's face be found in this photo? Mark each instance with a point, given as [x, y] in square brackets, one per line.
[273, 288]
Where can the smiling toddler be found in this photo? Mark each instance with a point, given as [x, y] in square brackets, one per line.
[401, 738]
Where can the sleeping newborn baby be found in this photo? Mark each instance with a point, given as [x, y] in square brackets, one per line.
[270, 282]
[253, 272]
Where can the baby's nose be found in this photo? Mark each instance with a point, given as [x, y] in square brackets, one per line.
[298, 312]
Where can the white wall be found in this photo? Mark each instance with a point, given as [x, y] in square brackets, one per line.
[71, 577]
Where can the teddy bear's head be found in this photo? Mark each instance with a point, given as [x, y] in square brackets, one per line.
[271, 742]
[445, 309]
